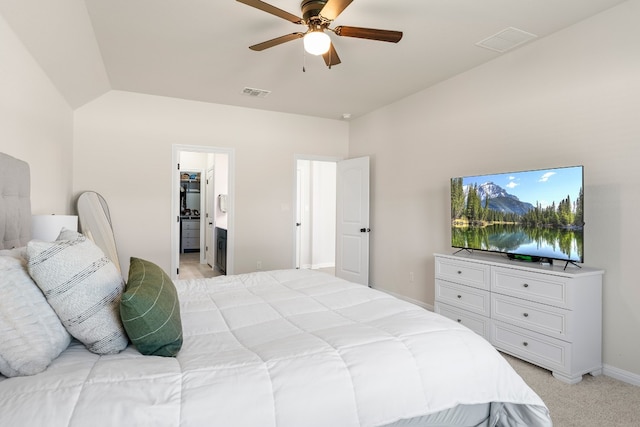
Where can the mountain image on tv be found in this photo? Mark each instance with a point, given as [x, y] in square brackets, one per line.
[499, 199]
[538, 213]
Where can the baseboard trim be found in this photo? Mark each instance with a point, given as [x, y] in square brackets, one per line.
[620, 374]
[407, 299]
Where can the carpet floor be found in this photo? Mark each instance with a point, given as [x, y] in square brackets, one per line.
[595, 401]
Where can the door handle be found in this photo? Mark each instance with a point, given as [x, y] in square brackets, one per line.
[365, 230]
[298, 224]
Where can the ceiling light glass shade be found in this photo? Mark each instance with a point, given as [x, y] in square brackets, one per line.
[316, 43]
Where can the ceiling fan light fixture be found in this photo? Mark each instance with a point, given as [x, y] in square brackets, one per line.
[317, 16]
[317, 42]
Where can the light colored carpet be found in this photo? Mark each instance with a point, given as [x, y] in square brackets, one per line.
[595, 401]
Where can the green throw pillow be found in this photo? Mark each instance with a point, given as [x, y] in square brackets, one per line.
[150, 310]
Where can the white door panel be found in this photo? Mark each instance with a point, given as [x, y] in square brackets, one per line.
[352, 254]
[352, 225]
[299, 208]
[209, 218]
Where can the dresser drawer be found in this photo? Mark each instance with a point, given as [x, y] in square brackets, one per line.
[542, 350]
[190, 224]
[467, 273]
[464, 297]
[191, 243]
[539, 287]
[478, 324]
[545, 319]
[186, 234]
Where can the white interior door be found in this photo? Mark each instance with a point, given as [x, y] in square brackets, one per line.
[209, 219]
[299, 217]
[352, 222]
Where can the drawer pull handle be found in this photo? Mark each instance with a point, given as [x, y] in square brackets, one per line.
[459, 320]
[525, 343]
[459, 272]
[526, 285]
[526, 314]
[459, 296]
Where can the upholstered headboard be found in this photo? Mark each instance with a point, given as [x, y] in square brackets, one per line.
[15, 202]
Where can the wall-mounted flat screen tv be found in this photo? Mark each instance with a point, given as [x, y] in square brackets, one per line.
[535, 213]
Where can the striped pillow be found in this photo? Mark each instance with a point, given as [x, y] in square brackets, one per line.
[84, 287]
[150, 310]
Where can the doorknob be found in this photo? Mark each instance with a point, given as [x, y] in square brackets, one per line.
[298, 224]
[365, 230]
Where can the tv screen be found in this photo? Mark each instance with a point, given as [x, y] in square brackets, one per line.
[536, 213]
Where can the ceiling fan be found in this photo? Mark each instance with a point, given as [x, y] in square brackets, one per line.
[318, 15]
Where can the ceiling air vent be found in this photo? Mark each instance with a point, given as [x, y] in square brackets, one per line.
[506, 39]
[256, 93]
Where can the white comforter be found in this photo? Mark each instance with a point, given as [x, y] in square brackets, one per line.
[285, 348]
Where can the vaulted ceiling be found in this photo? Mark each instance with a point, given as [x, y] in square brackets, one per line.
[198, 49]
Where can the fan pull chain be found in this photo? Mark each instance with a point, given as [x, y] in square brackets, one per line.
[304, 60]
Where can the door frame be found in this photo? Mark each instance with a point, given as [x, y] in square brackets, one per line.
[210, 246]
[176, 149]
[296, 202]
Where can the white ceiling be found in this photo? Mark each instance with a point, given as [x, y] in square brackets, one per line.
[198, 49]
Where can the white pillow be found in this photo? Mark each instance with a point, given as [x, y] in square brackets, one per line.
[84, 288]
[32, 335]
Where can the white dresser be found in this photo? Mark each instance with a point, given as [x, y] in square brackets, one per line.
[546, 315]
[190, 233]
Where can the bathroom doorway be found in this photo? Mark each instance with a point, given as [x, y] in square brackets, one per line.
[202, 200]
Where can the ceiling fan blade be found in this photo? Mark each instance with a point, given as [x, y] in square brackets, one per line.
[266, 7]
[276, 41]
[333, 8]
[331, 57]
[369, 33]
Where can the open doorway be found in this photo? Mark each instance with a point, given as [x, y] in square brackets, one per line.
[346, 192]
[315, 235]
[194, 195]
[202, 197]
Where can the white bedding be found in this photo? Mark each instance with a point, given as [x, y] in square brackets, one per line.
[287, 348]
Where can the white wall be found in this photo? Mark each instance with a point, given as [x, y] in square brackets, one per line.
[571, 98]
[36, 125]
[123, 147]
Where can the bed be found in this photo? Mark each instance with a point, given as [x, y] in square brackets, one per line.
[277, 348]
